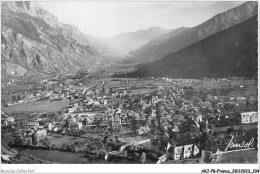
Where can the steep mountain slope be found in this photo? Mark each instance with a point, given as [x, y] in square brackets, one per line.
[126, 42]
[187, 37]
[161, 43]
[34, 40]
[232, 52]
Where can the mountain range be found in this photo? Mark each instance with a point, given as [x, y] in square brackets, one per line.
[232, 52]
[33, 40]
[183, 37]
[127, 42]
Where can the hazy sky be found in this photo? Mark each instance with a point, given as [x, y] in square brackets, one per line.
[104, 19]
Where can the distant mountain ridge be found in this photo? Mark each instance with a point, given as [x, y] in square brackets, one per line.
[161, 44]
[126, 42]
[232, 52]
[188, 36]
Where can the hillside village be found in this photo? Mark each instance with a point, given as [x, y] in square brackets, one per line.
[137, 119]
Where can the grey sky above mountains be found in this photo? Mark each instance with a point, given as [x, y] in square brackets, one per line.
[105, 19]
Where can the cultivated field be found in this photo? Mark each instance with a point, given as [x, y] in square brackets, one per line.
[37, 106]
[59, 140]
[58, 157]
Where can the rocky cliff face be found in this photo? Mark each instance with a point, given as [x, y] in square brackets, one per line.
[190, 36]
[32, 9]
[226, 20]
[34, 40]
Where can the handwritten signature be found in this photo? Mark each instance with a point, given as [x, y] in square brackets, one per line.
[242, 145]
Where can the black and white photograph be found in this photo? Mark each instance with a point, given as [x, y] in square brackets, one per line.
[129, 82]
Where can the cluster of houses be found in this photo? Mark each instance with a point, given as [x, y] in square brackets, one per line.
[175, 108]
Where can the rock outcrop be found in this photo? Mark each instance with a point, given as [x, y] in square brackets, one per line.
[34, 40]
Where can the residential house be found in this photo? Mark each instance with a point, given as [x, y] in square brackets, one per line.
[178, 118]
[205, 105]
[42, 132]
[33, 125]
[177, 153]
[249, 117]
[241, 100]
[74, 126]
[49, 126]
[187, 151]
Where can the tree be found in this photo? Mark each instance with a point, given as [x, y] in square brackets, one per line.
[255, 105]
[247, 102]
[51, 114]
[14, 98]
[58, 117]
[3, 102]
[43, 87]
[47, 143]
[155, 123]
[215, 92]
[66, 123]
[69, 99]
[84, 121]
[34, 139]
[18, 97]
[44, 115]
[18, 141]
